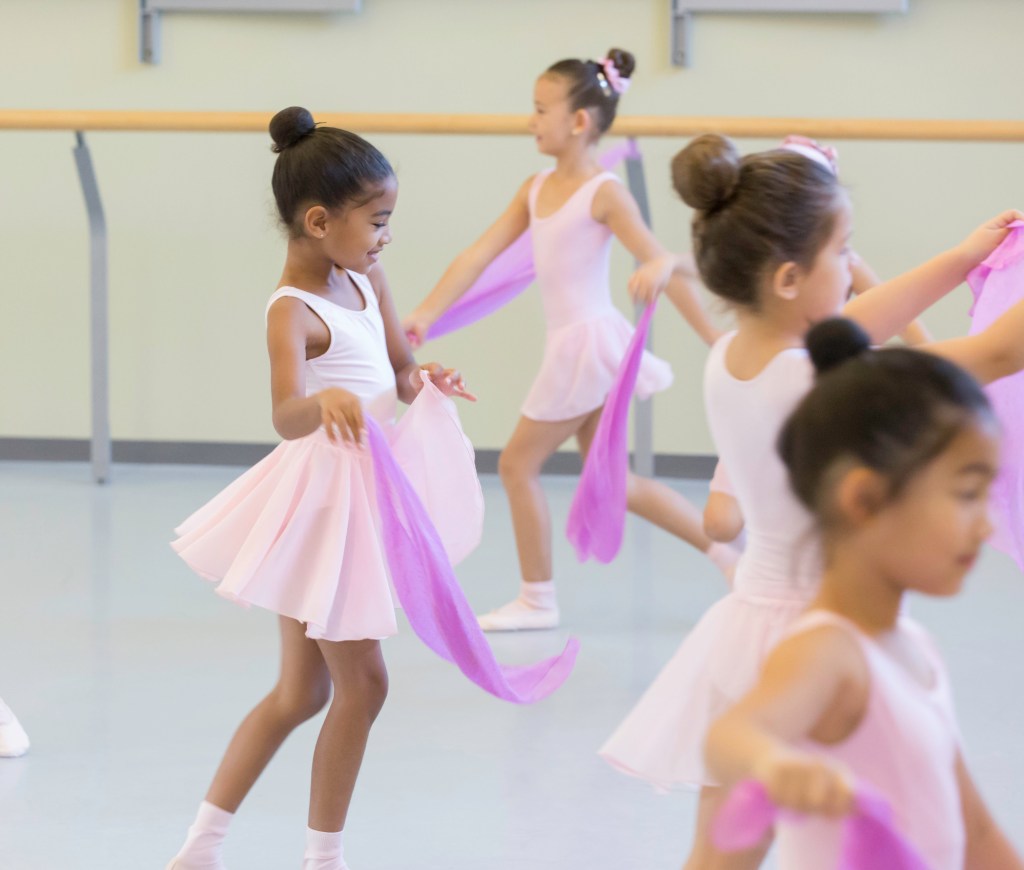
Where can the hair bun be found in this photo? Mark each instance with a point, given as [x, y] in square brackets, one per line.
[706, 173]
[834, 341]
[289, 126]
[624, 61]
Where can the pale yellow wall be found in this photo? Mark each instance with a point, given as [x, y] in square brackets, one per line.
[195, 250]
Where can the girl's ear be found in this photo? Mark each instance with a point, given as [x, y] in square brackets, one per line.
[860, 495]
[315, 222]
[786, 281]
[582, 123]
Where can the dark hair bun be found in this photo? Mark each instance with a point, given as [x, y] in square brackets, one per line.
[289, 126]
[624, 61]
[834, 341]
[706, 172]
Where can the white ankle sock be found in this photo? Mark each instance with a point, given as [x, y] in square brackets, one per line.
[538, 596]
[202, 849]
[323, 851]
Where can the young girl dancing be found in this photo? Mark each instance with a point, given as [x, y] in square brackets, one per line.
[297, 534]
[723, 520]
[573, 211]
[771, 236]
[892, 452]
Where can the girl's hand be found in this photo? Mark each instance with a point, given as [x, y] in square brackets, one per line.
[448, 381]
[341, 413]
[416, 326]
[650, 279]
[806, 784]
[986, 238]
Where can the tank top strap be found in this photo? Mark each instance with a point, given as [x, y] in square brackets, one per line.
[581, 198]
[311, 300]
[325, 310]
[535, 186]
[366, 288]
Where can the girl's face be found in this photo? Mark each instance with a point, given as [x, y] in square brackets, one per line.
[356, 234]
[553, 122]
[929, 537]
[825, 286]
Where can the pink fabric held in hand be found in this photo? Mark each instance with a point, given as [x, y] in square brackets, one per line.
[997, 284]
[597, 516]
[870, 842]
[431, 597]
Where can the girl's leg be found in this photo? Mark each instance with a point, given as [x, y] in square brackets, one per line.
[703, 855]
[520, 465]
[302, 690]
[665, 508]
[360, 687]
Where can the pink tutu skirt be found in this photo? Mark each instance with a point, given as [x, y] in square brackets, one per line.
[579, 367]
[662, 739]
[298, 533]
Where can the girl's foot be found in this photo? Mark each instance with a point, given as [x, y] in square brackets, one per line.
[536, 608]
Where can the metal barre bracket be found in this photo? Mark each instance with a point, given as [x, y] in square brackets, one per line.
[681, 25]
[150, 12]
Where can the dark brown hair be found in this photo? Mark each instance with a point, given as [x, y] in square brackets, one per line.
[320, 166]
[892, 410]
[588, 87]
[753, 213]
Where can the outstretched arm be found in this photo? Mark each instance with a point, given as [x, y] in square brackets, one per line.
[469, 265]
[408, 382]
[658, 270]
[805, 683]
[891, 306]
[863, 279]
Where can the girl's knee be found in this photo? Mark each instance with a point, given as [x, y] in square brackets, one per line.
[366, 688]
[297, 704]
[510, 466]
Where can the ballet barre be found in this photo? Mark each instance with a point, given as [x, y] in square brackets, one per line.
[82, 121]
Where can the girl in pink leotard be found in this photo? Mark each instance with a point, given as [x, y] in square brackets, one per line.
[857, 690]
[573, 210]
[771, 236]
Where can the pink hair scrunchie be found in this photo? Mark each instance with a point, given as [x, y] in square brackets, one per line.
[616, 81]
[825, 155]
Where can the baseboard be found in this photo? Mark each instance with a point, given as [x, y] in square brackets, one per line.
[691, 466]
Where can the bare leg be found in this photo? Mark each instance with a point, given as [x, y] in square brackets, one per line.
[360, 686]
[532, 442]
[302, 690]
[703, 855]
[653, 500]
[520, 464]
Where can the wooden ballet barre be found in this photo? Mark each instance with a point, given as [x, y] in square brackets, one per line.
[513, 125]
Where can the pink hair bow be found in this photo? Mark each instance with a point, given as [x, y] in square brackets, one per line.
[826, 155]
[870, 840]
[615, 79]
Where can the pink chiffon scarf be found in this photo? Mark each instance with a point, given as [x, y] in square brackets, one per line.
[597, 516]
[869, 842]
[431, 597]
[997, 284]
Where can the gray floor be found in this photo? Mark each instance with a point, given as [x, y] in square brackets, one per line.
[130, 675]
